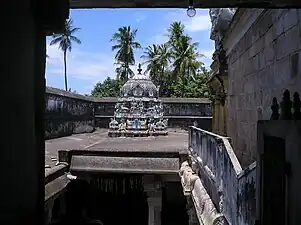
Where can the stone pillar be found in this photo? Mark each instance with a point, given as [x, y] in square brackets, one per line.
[22, 139]
[192, 215]
[222, 119]
[224, 78]
[153, 189]
[48, 212]
[216, 117]
[213, 115]
[154, 209]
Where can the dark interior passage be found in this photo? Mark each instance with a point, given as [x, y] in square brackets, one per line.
[118, 199]
[174, 205]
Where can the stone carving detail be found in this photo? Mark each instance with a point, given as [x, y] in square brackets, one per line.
[220, 21]
[113, 124]
[289, 109]
[198, 198]
[220, 221]
[296, 106]
[275, 109]
[286, 105]
[188, 178]
[138, 111]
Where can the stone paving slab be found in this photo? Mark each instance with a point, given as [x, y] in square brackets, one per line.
[172, 143]
[99, 140]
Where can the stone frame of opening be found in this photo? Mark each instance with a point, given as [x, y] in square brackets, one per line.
[289, 131]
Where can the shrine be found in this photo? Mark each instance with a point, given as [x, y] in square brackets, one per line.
[138, 111]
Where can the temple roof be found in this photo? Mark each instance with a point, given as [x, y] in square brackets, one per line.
[139, 86]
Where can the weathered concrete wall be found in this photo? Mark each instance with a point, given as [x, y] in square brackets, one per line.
[231, 189]
[262, 63]
[67, 113]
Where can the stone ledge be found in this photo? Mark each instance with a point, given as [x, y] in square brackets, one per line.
[56, 91]
[206, 211]
[124, 165]
[55, 187]
[54, 172]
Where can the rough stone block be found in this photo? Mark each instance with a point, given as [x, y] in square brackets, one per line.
[248, 84]
[294, 64]
[261, 72]
[289, 19]
[280, 46]
[282, 71]
[291, 39]
[269, 53]
[261, 61]
[269, 36]
[251, 38]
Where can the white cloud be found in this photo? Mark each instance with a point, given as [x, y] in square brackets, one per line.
[139, 17]
[159, 38]
[85, 66]
[200, 22]
[81, 65]
[207, 53]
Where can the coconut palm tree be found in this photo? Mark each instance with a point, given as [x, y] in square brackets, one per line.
[125, 45]
[185, 62]
[151, 55]
[175, 32]
[64, 40]
[122, 72]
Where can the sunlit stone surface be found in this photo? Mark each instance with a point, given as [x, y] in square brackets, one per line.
[138, 111]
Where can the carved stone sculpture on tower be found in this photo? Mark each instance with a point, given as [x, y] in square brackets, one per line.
[138, 111]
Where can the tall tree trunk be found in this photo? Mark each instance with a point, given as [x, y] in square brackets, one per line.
[161, 81]
[127, 71]
[65, 68]
[183, 86]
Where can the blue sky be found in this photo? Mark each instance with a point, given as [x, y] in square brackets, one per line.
[93, 60]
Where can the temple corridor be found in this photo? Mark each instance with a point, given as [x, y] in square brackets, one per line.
[118, 199]
[174, 205]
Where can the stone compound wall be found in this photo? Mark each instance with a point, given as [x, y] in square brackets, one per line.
[180, 112]
[231, 189]
[68, 113]
[262, 63]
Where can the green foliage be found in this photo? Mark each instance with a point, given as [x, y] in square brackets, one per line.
[108, 88]
[194, 87]
[125, 44]
[174, 66]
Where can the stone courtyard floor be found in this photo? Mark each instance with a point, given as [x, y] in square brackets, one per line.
[177, 140]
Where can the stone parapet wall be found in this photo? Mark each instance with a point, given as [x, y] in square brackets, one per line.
[172, 107]
[231, 189]
[262, 63]
[68, 113]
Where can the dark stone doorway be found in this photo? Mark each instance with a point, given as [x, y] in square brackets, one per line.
[174, 205]
[118, 199]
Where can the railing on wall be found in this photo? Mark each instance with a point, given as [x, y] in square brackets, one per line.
[231, 189]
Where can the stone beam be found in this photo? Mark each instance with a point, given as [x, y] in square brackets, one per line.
[182, 3]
